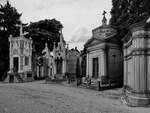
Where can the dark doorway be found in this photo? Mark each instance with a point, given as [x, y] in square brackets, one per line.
[59, 66]
[95, 68]
[11, 78]
[16, 64]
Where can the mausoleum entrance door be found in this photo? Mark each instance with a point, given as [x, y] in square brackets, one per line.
[59, 65]
[11, 78]
[95, 68]
[15, 64]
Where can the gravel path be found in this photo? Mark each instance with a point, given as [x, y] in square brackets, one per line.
[38, 97]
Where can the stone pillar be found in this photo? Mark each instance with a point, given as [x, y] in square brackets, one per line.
[64, 66]
[104, 57]
[37, 71]
[87, 65]
[11, 63]
[125, 68]
[19, 60]
[21, 63]
[105, 62]
[30, 63]
[10, 55]
[136, 67]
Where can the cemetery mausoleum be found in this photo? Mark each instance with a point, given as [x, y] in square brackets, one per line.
[104, 55]
[137, 65]
[20, 53]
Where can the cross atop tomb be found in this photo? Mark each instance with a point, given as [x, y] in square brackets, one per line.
[104, 21]
[21, 29]
[67, 46]
[104, 13]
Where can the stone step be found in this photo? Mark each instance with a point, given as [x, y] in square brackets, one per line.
[18, 77]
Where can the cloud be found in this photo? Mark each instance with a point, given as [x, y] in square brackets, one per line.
[80, 34]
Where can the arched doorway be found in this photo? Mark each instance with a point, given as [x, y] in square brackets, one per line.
[59, 66]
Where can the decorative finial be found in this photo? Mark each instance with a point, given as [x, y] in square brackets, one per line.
[46, 45]
[67, 46]
[104, 12]
[61, 36]
[21, 30]
[30, 38]
[10, 36]
[76, 48]
[104, 21]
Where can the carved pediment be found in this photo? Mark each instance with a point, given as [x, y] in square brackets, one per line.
[93, 41]
[15, 51]
[103, 32]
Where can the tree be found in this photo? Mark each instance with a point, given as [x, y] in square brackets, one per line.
[127, 12]
[44, 31]
[9, 18]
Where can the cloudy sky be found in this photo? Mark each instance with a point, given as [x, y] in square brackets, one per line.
[78, 17]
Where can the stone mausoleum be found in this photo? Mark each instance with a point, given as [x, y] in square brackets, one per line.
[137, 65]
[48, 63]
[64, 60]
[59, 55]
[20, 53]
[104, 55]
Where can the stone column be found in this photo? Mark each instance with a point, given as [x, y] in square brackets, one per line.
[54, 67]
[21, 63]
[87, 64]
[64, 66]
[37, 71]
[30, 63]
[11, 63]
[10, 56]
[19, 60]
[105, 62]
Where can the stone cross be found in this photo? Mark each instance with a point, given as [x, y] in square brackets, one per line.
[104, 20]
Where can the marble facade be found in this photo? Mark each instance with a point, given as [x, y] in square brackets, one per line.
[72, 56]
[104, 54]
[20, 58]
[48, 63]
[59, 57]
[61, 62]
[136, 65]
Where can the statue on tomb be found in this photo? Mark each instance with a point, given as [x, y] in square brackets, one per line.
[104, 21]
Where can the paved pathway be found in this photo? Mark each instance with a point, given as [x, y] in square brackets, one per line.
[38, 97]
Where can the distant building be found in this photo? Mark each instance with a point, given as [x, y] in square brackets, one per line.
[104, 55]
[20, 53]
[48, 63]
[59, 57]
[72, 56]
[83, 63]
[61, 62]
[137, 65]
